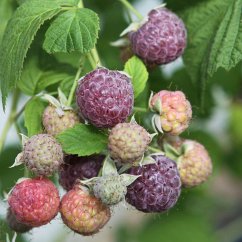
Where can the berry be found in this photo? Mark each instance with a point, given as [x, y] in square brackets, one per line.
[79, 168]
[83, 213]
[158, 187]
[110, 189]
[195, 165]
[105, 97]
[14, 224]
[42, 154]
[55, 123]
[161, 39]
[34, 202]
[174, 111]
[127, 142]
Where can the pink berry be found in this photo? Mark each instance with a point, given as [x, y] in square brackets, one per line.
[34, 202]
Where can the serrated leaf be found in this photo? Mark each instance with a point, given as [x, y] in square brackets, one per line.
[83, 140]
[214, 38]
[138, 72]
[33, 116]
[19, 35]
[74, 30]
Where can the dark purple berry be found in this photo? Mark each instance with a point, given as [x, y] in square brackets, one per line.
[15, 225]
[158, 187]
[81, 168]
[161, 39]
[105, 97]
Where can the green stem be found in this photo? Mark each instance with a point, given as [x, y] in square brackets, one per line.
[10, 119]
[90, 59]
[96, 56]
[80, 4]
[154, 149]
[131, 9]
[73, 88]
[139, 109]
[26, 172]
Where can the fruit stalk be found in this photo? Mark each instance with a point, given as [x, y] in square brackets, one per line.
[131, 9]
[10, 119]
[73, 88]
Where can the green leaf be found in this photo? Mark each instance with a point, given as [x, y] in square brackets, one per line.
[83, 140]
[50, 78]
[19, 35]
[74, 30]
[214, 38]
[138, 72]
[33, 116]
[30, 77]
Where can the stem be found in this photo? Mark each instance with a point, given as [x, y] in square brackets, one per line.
[139, 109]
[26, 172]
[131, 9]
[73, 88]
[154, 149]
[80, 4]
[96, 56]
[90, 59]
[10, 119]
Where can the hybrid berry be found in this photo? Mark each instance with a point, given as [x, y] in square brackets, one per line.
[161, 39]
[158, 187]
[42, 154]
[105, 98]
[15, 225]
[174, 111]
[81, 168]
[82, 212]
[127, 142]
[194, 165]
[55, 123]
[34, 202]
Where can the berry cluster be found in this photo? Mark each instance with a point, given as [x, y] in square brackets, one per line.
[145, 171]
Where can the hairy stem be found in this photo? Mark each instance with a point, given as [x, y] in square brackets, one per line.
[91, 60]
[10, 119]
[80, 4]
[95, 56]
[131, 9]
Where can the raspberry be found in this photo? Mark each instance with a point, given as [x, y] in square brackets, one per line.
[161, 39]
[195, 165]
[34, 202]
[83, 213]
[55, 123]
[79, 168]
[158, 187]
[174, 111]
[42, 154]
[110, 189]
[15, 225]
[127, 142]
[105, 97]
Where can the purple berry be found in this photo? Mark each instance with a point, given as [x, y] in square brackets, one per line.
[81, 168]
[158, 187]
[105, 97]
[161, 39]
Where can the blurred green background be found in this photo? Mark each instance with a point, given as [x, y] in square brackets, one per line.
[209, 213]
